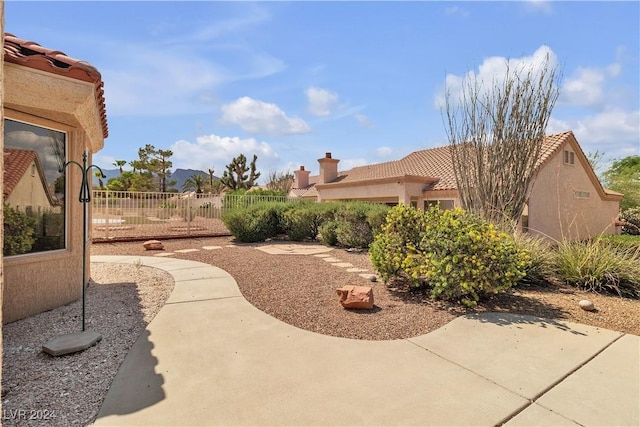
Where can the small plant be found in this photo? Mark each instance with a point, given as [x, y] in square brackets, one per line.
[631, 218]
[19, 230]
[599, 265]
[138, 264]
[541, 255]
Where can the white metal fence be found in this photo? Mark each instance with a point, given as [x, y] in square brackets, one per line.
[142, 215]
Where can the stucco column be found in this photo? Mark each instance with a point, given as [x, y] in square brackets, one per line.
[1, 174]
[403, 195]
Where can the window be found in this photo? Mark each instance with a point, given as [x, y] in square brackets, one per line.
[581, 194]
[569, 157]
[34, 189]
[443, 204]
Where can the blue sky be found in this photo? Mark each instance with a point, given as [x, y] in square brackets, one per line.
[291, 81]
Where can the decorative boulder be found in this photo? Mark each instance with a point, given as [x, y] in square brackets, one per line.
[586, 305]
[153, 245]
[359, 297]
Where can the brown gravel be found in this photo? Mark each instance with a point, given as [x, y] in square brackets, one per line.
[300, 290]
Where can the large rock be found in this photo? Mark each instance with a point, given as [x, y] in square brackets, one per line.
[153, 245]
[360, 297]
[586, 305]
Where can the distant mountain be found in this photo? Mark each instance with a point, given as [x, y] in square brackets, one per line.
[179, 175]
[110, 173]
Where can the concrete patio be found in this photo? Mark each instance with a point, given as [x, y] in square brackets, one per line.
[210, 358]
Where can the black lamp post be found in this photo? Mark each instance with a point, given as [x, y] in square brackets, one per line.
[71, 343]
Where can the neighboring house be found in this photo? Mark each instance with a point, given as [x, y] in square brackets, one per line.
[566, 201]
[25, 186]
[54, 110]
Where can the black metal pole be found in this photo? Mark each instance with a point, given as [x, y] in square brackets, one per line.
[84, 198]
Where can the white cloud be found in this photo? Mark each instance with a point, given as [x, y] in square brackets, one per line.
[321, 101]
[217, 151]
[584, 89]
[494, 70]
[613, 131]
[364, 121]
[538, 6]
[384, 152]
[346, 164]
[455, 10]
[259, 117]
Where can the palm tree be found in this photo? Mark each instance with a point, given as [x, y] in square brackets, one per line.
[98, 175]
[195, 182]
[120, 164]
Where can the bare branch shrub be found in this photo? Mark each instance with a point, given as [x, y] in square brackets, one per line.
[280, 181]
[496, 130]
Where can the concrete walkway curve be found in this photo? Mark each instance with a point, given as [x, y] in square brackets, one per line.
[210, 358]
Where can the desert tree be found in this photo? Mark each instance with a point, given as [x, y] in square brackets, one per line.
[280, 181]
[624, 176]
[210, 172]
[496, 132]
[238, 175]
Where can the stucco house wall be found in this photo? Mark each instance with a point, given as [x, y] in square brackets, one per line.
[69, 98]
[558, 205]
[568, 202]
[30, 191]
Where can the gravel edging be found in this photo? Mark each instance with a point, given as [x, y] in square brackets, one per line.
[69, 390]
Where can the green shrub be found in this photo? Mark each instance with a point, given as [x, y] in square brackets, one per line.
[301, 221]
[541, 255]
[356, 222]
[19, 229]
[328, 234]
[255, 223]
[599, 265]
[455, 255]
[402, 229]
[631, 217]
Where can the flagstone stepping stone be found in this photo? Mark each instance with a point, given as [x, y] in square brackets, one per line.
[323, 255]
[165, 254]
[211, 248]
[356, 270]
[186, 251]
[343, 264]
[371, 277]
[332, 259]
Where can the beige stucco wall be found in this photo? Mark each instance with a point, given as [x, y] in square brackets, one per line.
[1, 175]
[38, 282]
[555, 212]
[382, 192]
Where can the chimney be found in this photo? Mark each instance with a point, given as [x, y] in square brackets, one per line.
[328, 169]
[301, 178]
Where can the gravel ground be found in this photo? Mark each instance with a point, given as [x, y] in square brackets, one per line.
[297, 289]
[68, 390]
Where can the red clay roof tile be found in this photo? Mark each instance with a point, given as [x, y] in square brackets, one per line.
[32, 55]
[432, 163]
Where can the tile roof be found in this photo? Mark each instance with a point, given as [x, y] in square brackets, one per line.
[16, 164]
[433, 163]
[32, 55]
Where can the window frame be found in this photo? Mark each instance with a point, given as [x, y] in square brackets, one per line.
[43, 123]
